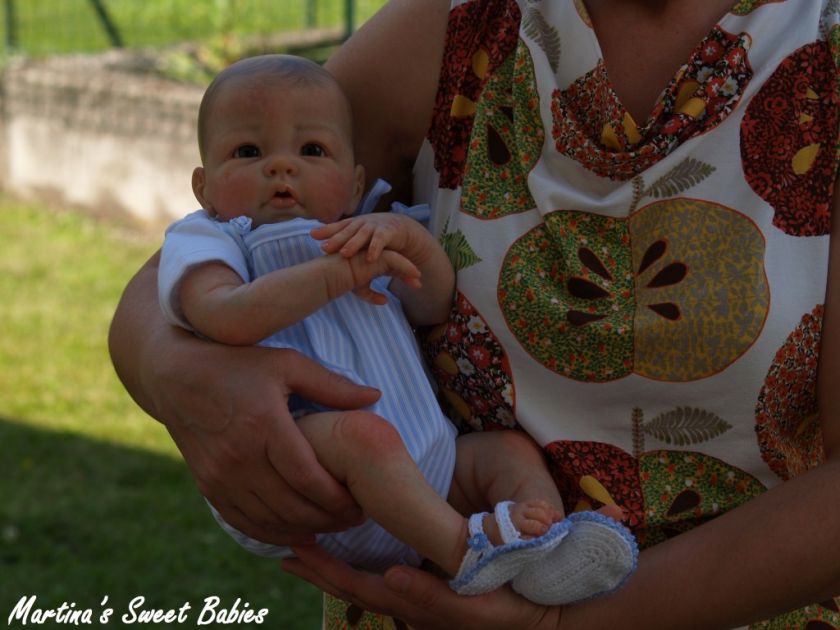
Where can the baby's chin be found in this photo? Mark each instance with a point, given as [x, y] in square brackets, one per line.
[273, 214]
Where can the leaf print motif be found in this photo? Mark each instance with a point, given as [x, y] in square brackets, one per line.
[683, 426]
[458, 249]
[683, 176]
[546, 37]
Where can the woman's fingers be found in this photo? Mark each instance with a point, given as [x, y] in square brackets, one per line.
[421, 599]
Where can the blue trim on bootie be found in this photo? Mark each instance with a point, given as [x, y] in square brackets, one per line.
[619, 528]
[488, 554]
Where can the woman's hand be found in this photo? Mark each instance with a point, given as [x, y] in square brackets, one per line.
[418, 598]
[228, 414]
[227, 410]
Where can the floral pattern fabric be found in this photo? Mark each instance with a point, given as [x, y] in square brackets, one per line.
[609, 142]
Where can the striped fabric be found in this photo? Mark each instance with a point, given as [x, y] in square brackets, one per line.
[368, 344]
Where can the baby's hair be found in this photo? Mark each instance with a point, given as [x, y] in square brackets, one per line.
[289, 69]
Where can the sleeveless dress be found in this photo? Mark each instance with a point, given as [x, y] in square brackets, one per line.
[644, 298]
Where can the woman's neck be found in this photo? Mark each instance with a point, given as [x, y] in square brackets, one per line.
[645, 42]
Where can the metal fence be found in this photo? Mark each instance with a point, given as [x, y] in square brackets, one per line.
[47, 27]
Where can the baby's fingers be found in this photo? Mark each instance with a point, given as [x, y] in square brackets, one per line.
[326, 230]
[357, 241]
[369, 295]
[379, 240]
[401, 267]
[335, 235]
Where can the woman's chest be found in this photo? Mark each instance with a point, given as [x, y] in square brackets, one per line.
[644, 43]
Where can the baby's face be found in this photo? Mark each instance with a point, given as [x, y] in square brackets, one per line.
[276, 151]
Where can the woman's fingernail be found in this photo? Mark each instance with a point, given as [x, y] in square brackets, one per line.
[398, 581]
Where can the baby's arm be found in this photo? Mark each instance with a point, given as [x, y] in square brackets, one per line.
[374, 235]
[220, 305]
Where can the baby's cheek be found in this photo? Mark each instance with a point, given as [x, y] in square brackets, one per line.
[344, 194]
[338, 195]
[234, 193]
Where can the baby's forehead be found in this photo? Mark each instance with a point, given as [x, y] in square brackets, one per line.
[253, 103]
[267, 91]
[271, 88]
[278, 86]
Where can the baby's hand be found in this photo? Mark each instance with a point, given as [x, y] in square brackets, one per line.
[389, 264]
[374, 232]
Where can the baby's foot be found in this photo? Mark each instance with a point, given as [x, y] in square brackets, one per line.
[499, 547]
[531, 518]
[595, 558]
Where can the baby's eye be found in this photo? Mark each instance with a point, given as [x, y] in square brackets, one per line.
[311, 149]
[246, 151]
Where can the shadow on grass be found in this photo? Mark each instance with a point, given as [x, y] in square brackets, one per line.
[82, 519]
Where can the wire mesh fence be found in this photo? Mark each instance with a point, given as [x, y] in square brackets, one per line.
[46, 27]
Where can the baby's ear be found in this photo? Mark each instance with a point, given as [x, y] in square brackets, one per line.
[358, 191]
[198, 183]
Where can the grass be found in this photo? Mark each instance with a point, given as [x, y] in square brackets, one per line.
[96, 500]
[60, 26]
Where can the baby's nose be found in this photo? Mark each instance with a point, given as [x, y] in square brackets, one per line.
[281, 163]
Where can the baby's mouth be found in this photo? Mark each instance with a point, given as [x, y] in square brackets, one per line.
[283, 198]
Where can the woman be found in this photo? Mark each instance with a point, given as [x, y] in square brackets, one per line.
[645, 286]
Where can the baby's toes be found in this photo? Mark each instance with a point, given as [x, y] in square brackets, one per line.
[613, 511]
[545, 511]
[531, 528]
[533, 518]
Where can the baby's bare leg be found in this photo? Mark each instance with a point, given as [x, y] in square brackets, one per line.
[366, 453]
[496, 466]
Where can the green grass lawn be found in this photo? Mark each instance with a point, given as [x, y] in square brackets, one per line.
[56, 26]
[94, 499]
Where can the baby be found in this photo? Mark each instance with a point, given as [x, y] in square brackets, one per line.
[271, 260]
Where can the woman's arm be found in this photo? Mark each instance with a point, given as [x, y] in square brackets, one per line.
[389, 70]
[226, 409]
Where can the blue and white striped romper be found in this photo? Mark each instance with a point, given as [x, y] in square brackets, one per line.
[369, 344]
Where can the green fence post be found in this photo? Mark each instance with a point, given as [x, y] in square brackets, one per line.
[311, 13]
[110, 28]
[11, 26]
[349, 18]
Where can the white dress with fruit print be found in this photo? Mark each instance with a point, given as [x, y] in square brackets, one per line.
[644, 298]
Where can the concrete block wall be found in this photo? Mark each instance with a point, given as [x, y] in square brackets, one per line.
[99, 132]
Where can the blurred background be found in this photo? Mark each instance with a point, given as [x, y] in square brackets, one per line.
[98, 101]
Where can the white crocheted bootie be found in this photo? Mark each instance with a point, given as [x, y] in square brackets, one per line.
[486, 567]
[596, 557]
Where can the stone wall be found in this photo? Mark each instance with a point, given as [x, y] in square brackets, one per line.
[99, 132]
